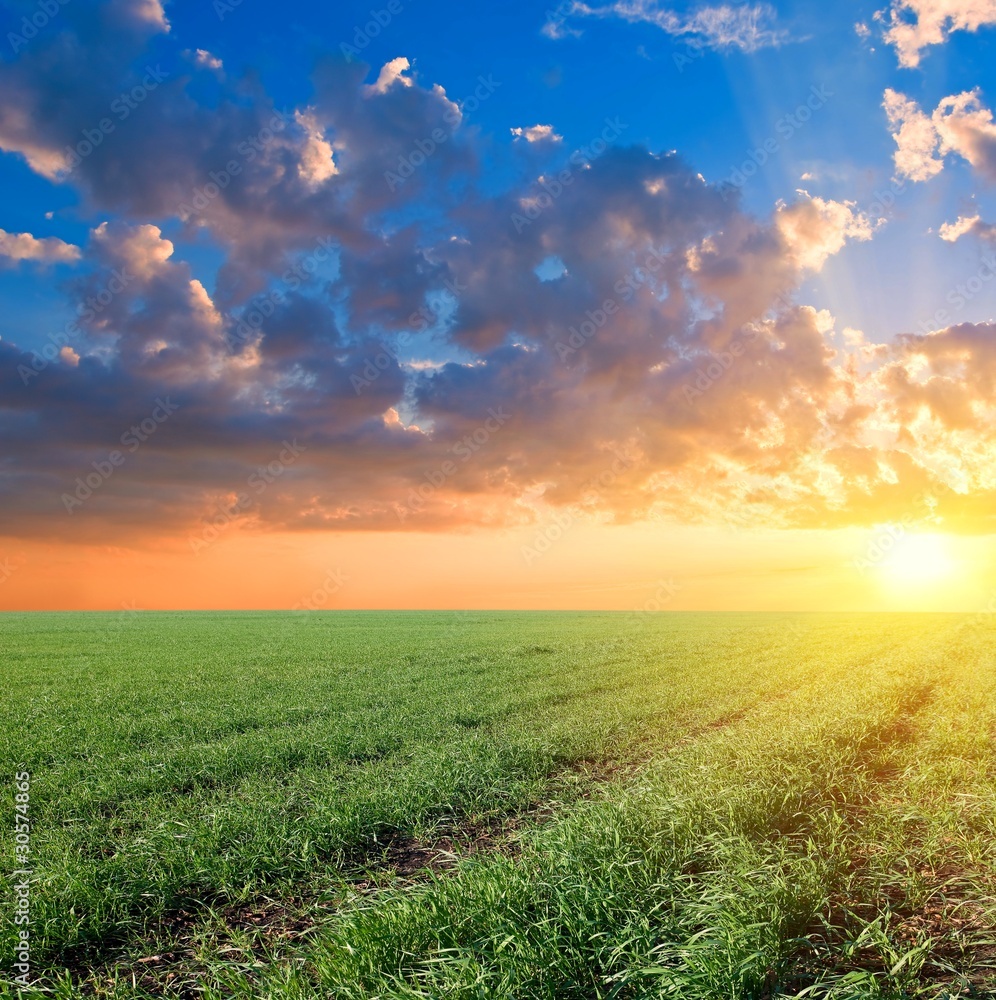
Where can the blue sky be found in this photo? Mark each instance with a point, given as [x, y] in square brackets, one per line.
[713, 105]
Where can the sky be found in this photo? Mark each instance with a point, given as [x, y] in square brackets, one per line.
[396, 304]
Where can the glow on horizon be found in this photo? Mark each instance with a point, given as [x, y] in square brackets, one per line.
[920, 560]
[597, 567]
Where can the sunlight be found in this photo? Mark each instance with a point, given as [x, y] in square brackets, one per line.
[919, 560]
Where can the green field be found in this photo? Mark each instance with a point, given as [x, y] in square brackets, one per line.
[477, 805]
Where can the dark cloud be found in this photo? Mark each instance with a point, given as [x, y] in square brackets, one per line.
[386, 333]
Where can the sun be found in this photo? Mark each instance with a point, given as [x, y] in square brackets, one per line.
[919, 560]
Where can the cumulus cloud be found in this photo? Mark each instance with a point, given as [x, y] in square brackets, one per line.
[960, 124]
[915, 135]
[966, 127]
[967, 225]
[24, 246]
[204, 58]
[142, 250]
[671, 347]
[537, 133]
[317, 156]
[814, 229]
[746, 26]
[913, 25]
[952, 231]
[392, 73]
[150, 11]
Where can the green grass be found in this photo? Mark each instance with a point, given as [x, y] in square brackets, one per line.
[687, 805]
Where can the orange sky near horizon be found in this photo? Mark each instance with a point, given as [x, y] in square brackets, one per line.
[588, 567]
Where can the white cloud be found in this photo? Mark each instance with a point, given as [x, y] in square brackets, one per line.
[24, 246]
[814, 229]
[959, 124]
[913, 25]
[391, 73]
[316, 164]
[966, 127]
[141, 248]
[748, 27]
[537, 133]
[204, 58]
[150, 12]
[967, 225]
[952, 231]
[915, 135]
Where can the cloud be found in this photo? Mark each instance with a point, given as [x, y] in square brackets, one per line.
[263, 182]
[317, 155]
[141, 250]
[966, 127]
[150, 11]
[204, 58]
[392, 73]
[916, 137]
[946, 380]
[537, 133]
[814, 229]
[747, 27]
[959, 124]
[967, 226]
[399, 335]
[24, 246]
[913, 25]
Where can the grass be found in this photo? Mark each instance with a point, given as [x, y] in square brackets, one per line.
[470, 805]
